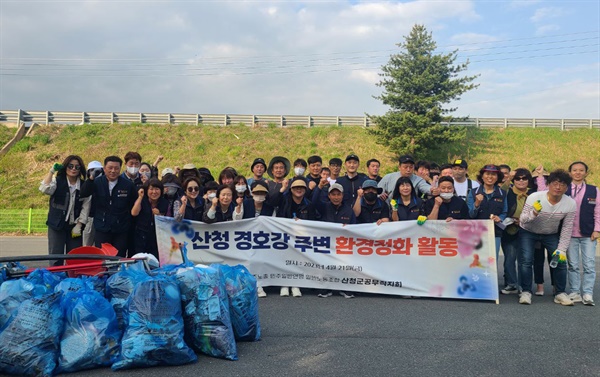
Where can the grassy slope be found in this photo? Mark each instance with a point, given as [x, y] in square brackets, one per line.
[216, 147]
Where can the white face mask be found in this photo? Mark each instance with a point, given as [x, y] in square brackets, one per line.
[240, 189]
[212, 195]
[132, 170]
[299, 171]
[259, 198]
[146, 174]
[446, 195]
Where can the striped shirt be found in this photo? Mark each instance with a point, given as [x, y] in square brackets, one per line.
[549, 218]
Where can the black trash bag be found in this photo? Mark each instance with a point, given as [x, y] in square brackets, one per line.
[30, 341]
[154, 333]
[206, 312]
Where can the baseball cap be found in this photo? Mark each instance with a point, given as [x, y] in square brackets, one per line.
[298, 182]
[352, 157]
[336, 186]
[491, 168]
[166, 171]
[94, 165]
[335, 161]
[371, 183]
[461, 163]
[406, 159]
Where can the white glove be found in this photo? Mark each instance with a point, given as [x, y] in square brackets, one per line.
[76, 231]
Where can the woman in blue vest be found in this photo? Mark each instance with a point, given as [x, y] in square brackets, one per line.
[149, 203]
[405, 203]
[67, 212]
[222, 206]
[586, 230]
[192, 203]
[488, 201]
[522, 187]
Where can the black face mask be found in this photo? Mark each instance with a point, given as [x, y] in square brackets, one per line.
[370, 196]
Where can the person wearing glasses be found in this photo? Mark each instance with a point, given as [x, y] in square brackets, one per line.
[68, 211]
[547, 217]
[192, 203]
[521, 188]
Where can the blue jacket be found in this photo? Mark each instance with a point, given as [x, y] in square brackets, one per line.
[492, 204]
[112, 212]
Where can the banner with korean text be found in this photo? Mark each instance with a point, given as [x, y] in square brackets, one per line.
[438, 259]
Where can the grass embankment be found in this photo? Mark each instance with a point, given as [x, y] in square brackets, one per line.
[28, 161]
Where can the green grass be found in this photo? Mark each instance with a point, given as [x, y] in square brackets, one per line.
[22, 169]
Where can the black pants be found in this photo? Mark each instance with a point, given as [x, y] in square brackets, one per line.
[60, 242]
[118, 240]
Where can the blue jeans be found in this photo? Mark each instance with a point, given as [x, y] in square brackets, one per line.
[548, 241]
[587, 260]
[510, 248]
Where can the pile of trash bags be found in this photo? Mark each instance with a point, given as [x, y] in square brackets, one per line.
[51, 324]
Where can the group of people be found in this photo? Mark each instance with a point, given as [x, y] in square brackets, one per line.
[115, 202]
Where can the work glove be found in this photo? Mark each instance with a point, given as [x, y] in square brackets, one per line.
[76, 231]
[421, 220]
[56, 167]
[537, 206]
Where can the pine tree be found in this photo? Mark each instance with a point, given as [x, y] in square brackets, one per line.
[417, 84]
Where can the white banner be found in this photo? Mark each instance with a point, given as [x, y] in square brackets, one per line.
[437, 259]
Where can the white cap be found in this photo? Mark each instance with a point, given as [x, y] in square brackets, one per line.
[94, 165]
[166, 171]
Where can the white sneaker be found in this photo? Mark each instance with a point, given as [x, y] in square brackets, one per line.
[346, 294]
[296, 292]
[575, 297]
[525, 298]
[285, 292]
[588, 299]
[563, 299]
[261, 292]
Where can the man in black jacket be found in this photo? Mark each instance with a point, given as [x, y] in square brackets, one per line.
[113, 197]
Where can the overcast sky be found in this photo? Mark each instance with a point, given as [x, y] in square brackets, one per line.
[536, 58]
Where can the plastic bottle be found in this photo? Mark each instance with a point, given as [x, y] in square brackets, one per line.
[554, 261]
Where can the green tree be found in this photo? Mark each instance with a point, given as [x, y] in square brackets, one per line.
[417, 84]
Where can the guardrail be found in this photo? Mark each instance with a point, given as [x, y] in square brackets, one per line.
[23, 221]
[71, 117]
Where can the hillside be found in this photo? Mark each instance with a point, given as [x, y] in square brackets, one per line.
[23, 167]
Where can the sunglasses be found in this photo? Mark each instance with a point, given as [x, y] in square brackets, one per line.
[193, 189]
[74, 167]
[521, 179]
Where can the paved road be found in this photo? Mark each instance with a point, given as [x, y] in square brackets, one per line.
[390, 336]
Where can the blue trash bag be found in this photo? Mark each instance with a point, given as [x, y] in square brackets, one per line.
[243, 301]
[154, 333]
[30, 342]
[120, 285]
[69, 285]
[206, 312]
[14, 292]
[91, 334]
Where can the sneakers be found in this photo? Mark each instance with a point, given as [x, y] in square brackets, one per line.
[509, 290]
[324, 294]
[296, 292]
[346, 294]
[540, 290]
[285, 292]
[575, 297]
[563, 299]
[261, 292]
[525, 298]
[587, 299]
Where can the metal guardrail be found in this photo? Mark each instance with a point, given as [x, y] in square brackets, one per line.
[71, 117]
[23, 221]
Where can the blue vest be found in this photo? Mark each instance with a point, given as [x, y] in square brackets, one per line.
[586, 210]
[59, 204]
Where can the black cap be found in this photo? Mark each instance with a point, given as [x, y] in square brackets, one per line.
[406, 159]
[258, 161]
[352, 157]
[461, 163]
[335, 161]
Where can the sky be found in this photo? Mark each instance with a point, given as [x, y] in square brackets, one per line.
[534, 58]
